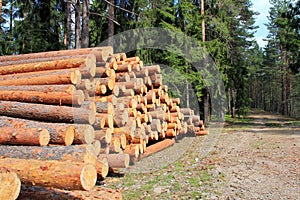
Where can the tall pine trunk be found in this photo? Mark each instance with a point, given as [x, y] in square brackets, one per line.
[68, 30]
[85, 24]
[111, 26]
[77, 25]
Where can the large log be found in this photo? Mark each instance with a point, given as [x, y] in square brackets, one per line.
[101, 53]
[51, 173]
[76, 153]
[50, 65]
[10, 185]
[49, 78]
[116, 160]
[47, 112]
[38, 193]
[68, 88]
[60, 133]
[24, 136]
[58, 98]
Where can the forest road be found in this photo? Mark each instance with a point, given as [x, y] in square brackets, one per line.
[259, 158]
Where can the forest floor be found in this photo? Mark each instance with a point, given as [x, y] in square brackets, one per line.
[257, 157]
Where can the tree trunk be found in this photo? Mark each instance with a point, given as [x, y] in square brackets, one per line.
[59, 174]
[111, 25]
[10, 184]
[68, 30]
[85, 24]
[77, 25]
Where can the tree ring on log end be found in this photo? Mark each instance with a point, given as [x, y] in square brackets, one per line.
[44, 137]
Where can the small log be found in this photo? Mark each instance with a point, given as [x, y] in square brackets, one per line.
[124, 68]
[123, 139]
[120, 118]
[115, 145]
[76, 153]
[133, 150]
[97, 146]
[104, 107]
[87, 84]
[99, 123]
[129, 102]
[102, 72]
[153, 69]
[170, 133]
[108, 82]
[52, 173]
[102, 167]
[104, 135]
[132, 59]
[116, 160]
[58, 98]
[24, 136]
[128, 129]
[99, 88]
[201, 132]
[109, 119]
[111, 98]
[46, 112]
[41, 88]
[83, 134]
[10, 186]
[157, 147]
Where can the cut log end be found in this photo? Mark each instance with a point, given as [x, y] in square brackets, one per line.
[10, 186]
[88, 177]
[69, 137]
[44, 137]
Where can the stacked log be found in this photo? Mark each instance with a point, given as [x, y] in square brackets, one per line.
[89, 108]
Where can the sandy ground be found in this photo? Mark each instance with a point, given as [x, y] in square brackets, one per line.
[256, 159]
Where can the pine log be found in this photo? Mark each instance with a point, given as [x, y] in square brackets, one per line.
[49, 78]
[41, 88]
[111, 98]
[83, 134]
[104, 135]
[122, 77]
[10, 185]
[59, 133]
[115, 145]
[99, 122]
[109, 119]
[76, 153]
[123, 139]
[135, 58]
[99, 88]
[108, 82]
[128, 129]
[58, 98]
[24, 136]
[157, 147]
[120, 118]
[52, 173]
[153, 69]
[104, 107]
[102, 168]
[124, 68]
[153, 135]
[38, 193]
[48, 65]
[133, 150]
[97, 146]
[47, 112]
[116, 160]
[102, 72]
[201, 132]
[129, 102]
[87, 84]
[170, 133]
[101, 53]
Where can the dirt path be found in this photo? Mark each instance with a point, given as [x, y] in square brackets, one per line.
[255, 158]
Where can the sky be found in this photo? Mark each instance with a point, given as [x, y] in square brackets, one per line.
[261, 6]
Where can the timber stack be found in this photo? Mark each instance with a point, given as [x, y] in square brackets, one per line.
[68, 117]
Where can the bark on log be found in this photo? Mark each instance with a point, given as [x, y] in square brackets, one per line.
[123, 139]
[122, 77]
[101, 53]
[157, 147]
[108, 82]
[153, 69]
[120, 118]
[59, 133]
[49, 65]
[102, 167]
[52, 173]
[111, 98]
[83, 134]
[104, 135]
[99, 123]
[56, 98]
[104, 107]
[24, 136]
[99, 89]
[76, 153]
[115, 145]
[87, 84]
[52, 78]
[109, 119]
[128, 129]
[46, 112]
[116, 160]
[41, 88]
[10, 185]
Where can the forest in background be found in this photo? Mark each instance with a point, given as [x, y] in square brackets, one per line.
[265, 78]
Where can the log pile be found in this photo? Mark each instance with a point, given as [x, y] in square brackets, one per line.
[87, 109]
